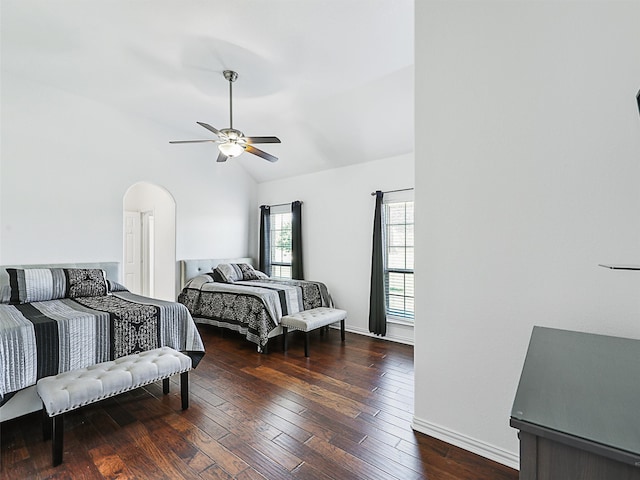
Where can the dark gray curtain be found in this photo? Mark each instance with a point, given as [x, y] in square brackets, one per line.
[377, 307]
[296, 241]
[265, 239]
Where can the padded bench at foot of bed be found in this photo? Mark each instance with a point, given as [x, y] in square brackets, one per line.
[309, 320]
[70, 390]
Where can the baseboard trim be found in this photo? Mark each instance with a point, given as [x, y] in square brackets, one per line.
[390, 338]
[468, 443]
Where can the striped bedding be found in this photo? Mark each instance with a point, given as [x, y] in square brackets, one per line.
[251, 307]
[45, 338]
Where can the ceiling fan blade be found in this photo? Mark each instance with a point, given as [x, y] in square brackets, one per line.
[262, 139]
[260, 153]
[209, 127]
[222, 157]
[191, 141]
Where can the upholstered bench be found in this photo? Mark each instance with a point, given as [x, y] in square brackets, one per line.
[69, 390]
[309, 320]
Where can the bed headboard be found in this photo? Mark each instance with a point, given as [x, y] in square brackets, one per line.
[112, 269]
[193, 268]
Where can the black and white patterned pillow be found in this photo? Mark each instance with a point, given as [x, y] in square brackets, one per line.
[233, 272]
[86, 282]
[228, 272]
[248, 273]
[36, 284]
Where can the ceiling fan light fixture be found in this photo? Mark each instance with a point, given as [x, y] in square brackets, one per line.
[231, 149]
[232, 142]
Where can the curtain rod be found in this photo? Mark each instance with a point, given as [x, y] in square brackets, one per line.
[393, 191]
[282, 204]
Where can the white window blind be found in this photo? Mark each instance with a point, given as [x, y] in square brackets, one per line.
[281, 241]
[399, 248]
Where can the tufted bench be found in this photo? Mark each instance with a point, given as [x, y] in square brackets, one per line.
[69, 390]
[309, 320]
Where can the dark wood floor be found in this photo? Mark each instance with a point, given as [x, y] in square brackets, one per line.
[344, 413]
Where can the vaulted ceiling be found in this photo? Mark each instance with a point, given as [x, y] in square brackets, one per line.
[333, 79]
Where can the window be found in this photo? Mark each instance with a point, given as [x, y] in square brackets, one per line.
[281, 241]
[398, 219]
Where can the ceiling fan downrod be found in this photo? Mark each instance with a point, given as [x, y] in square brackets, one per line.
[232, 77]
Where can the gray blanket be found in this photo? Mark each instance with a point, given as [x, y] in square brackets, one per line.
[252, 307]
[45, 338]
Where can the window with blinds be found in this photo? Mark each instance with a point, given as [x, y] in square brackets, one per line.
[281, 241]
[399, 245]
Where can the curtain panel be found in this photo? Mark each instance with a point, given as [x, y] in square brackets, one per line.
[377, 303]
[265, 239]
[297, 271]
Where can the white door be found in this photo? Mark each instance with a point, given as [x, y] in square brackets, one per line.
[148, 253]
[132, 251]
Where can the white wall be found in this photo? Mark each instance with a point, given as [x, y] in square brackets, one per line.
[67, 163]
[527, 175]
[337, 229]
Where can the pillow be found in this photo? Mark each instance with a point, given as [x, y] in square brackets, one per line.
[116, 287]
[36, 284]
[217, 277]
[5, 294]
[248, 273]
[261, 275]
[85, 282]
[233, 272]
[228, 272]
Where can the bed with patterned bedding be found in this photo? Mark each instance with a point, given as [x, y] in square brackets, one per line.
[250, 302]
[57, 319]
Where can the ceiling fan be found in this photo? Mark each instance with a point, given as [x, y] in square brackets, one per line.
[232, 142]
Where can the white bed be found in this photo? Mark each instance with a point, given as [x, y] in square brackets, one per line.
[27, 400]
[65, 318]
[250, 304]
[190, 269]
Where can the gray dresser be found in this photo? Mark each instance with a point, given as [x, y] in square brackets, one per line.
[577, 407]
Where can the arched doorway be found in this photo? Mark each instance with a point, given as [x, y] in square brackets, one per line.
[149, 241]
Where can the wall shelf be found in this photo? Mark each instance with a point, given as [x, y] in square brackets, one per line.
[620, 267]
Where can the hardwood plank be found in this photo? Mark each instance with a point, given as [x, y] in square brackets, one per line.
[258, 461]
[250, 474]
[384, 458]
[313, 392]
[353, 463]
[109, 463]
[346, 412]
[209, 445]
[215, 472]
[322, 464]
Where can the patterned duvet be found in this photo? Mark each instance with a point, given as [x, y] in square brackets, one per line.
[252, 307]
[45, 338]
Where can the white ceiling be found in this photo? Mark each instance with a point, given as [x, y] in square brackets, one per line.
[333, 79]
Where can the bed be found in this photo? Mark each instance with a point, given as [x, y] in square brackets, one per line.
[251, 306]
[56, 318]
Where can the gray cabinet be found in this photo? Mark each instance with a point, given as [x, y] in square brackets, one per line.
[577, 407]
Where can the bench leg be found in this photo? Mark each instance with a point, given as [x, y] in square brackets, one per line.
[342, 330]
[306, 344]
[57, 443]
[284, 338]
[165, 386]
[184, 389]
[47, 424]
